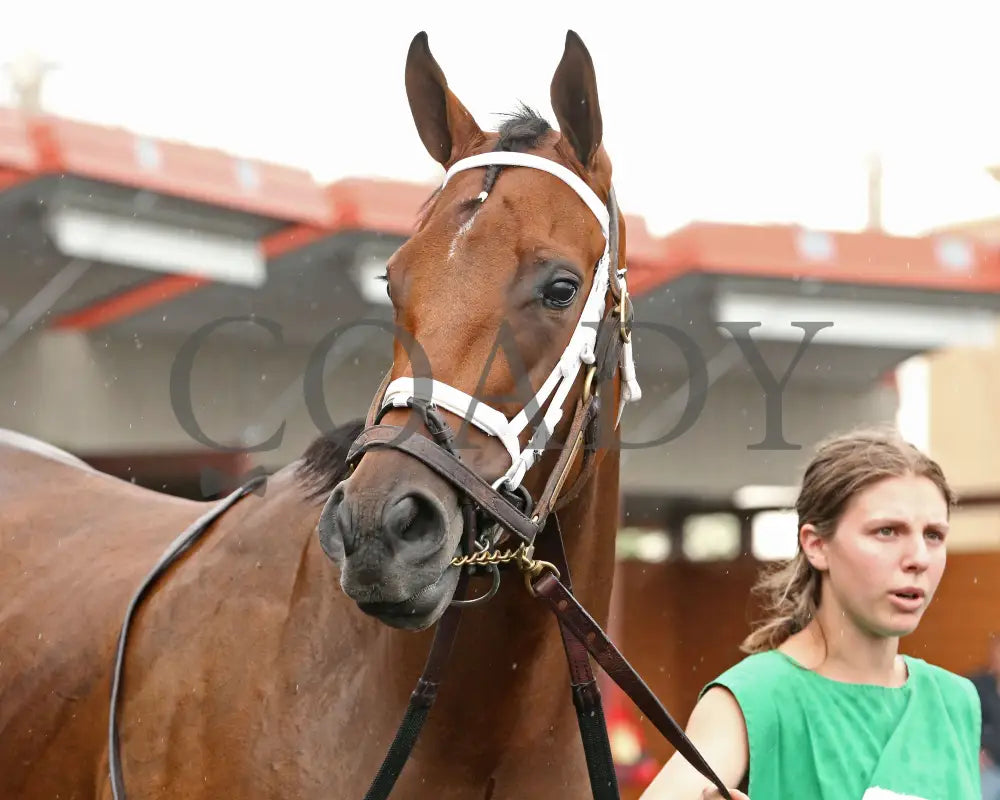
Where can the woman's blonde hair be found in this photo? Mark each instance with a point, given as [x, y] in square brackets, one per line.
[842, 467]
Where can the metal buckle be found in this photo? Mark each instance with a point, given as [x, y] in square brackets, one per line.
[588, 382]
[626, 326]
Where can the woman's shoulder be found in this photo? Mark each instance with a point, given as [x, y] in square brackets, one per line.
[758, 671]
[952, 687]
[943, 696]
[762, 690]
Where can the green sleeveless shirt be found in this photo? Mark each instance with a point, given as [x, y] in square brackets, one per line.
[813, 737]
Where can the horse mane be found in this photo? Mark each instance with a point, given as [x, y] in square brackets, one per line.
[522, 130]
[324, 463]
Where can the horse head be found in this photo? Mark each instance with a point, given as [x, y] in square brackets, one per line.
[497, 300]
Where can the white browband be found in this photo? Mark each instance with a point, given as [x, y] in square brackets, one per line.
[559, 382]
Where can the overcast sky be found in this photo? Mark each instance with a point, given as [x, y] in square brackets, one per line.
[736, 111]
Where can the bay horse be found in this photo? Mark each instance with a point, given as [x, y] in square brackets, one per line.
[256, 668]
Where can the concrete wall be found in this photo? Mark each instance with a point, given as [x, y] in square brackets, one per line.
[95, 394]
[718, 454]
[91, 394]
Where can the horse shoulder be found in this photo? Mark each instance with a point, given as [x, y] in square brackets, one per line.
[74, 545]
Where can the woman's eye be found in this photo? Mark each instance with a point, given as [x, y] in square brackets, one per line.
[560, 293]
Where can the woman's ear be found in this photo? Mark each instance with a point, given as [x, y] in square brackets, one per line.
[813, 546]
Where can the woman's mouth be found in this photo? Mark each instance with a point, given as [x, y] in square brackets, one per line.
[908, 599]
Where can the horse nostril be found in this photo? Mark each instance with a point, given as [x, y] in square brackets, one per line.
[337, 495]
[335, 526]
[347, 532]
[411, 517]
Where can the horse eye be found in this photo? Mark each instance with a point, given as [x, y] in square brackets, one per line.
[559, 293]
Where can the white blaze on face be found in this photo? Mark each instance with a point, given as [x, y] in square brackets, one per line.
[461, 232]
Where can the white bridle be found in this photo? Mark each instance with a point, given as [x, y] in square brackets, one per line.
[580, 350]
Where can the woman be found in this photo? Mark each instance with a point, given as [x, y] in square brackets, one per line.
[825, 707]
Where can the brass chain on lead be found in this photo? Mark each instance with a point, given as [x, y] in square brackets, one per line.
[522, 557]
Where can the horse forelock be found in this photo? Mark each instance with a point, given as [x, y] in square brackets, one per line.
[522, 129]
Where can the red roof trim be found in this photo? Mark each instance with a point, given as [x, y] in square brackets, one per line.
[46, 145]
[941, 262]
[10, 178]
[161, 289]
[129, 302]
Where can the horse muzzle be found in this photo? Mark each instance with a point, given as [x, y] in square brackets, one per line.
[394, 551]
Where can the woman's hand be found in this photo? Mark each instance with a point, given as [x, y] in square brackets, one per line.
[713, 794]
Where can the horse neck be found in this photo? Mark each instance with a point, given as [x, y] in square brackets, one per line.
[507, 678]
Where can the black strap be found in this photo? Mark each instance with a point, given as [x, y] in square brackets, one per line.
[421, 700]
[583, 685]
[176, 549]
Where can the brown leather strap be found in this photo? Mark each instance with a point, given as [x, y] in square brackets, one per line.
[590, 459]
[175, 550]
[449, 468]
[551, 548]
[376, 405]
[575, 617]
[567, 455]
[608, 347]
[613, 245]
[441, 647]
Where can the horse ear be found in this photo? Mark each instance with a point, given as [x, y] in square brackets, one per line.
[444, 124]
[574, 99]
